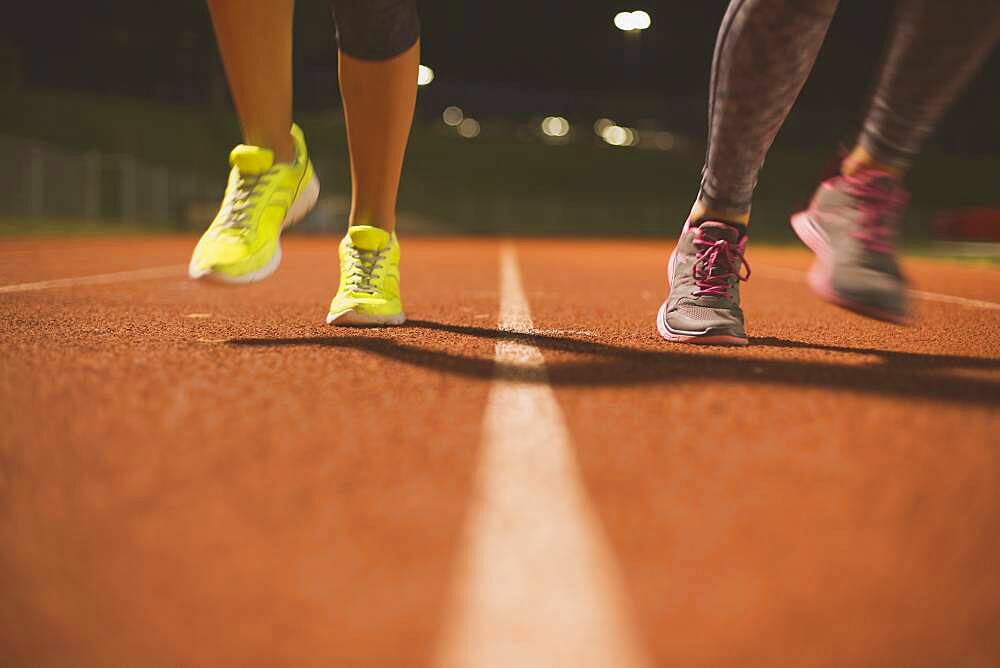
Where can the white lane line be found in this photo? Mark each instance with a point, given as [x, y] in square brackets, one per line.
[99, 279]
[784, 274]
[952, 299]
[565, 332]
[536, 584]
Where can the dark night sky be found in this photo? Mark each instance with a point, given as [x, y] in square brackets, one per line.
[165, 51]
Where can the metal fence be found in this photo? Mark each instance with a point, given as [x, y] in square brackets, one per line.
[47, 182]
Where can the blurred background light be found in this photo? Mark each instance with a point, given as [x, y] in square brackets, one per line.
[614, 135]
[664, 140]
[628, 21]
[555, 126]
[601, 124]
[469, 128]
[425, 75]
[617, 135]
[452, 116]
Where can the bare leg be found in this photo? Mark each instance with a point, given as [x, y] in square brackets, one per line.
[255, 39]
[379, 55]
[379, 99]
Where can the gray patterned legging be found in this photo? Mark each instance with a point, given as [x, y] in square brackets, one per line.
[766, 49]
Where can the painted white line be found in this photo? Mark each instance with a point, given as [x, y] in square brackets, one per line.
[952, 299]
[565, 332]
[972, 249]
[784, 274]
[537, 585]
[99, 279]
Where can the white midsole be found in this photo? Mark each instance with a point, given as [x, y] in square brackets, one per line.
[355, 318]
[303, 204]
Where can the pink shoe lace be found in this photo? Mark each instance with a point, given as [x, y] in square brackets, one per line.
[716, 264]
[879, 206]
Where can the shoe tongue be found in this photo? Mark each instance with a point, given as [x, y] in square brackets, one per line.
[367, 237]
[711, 230]
[251, 159]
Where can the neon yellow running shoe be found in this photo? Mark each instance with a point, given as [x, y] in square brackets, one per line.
[242, 245]
[369, 279]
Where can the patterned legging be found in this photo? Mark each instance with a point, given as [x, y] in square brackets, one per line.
[766, 49]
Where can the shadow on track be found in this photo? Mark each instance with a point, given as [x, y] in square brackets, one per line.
[892, 373]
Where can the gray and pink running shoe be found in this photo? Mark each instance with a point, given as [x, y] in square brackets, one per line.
[704, 273]
[852, 225]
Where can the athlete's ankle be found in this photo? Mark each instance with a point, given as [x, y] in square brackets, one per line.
[282, 145]
[702, 211]
[285, 150]
[860, 158]
[383, 223]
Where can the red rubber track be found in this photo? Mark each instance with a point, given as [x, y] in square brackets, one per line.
[200, 475]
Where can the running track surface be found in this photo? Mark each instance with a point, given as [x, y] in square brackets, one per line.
[524, 475]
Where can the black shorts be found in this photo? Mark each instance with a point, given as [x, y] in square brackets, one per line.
[376, 29]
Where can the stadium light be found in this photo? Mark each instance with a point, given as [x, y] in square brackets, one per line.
[601, 123]
[632, 21]
[425, 75]
[555, 126]
[469, 128]
[614, 135]
[453, 116]
[617, 135]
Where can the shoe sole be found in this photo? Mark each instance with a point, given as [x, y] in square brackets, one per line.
[300, 208]
[819, 277]
[355, 319]
[704, 339]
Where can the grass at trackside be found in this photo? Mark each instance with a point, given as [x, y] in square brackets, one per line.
[987, 257]
[72, 228]
[177, 137]
[495, 183]
[84, 229]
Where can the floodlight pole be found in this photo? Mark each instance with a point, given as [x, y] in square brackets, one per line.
[633, 47]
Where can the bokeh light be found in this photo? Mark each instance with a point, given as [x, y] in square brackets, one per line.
[555, 126]
[629, 21]
[664, 140]
[469, 128]
[616, 135]
[452, 116]
[601, 124]
[425, 75]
